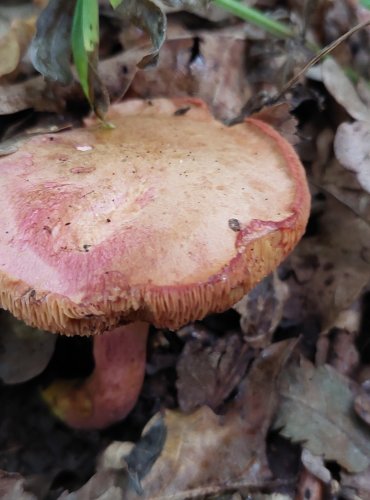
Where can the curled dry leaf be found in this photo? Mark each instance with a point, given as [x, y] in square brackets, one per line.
[315, 465]
[148, 16]
[340, 87]
[208, 374]
[50, 49]
[24, 351]
[279, 117]
[261, 310]
[352, 149]
[187, 463]
[317, 408]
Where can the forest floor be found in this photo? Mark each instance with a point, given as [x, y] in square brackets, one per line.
[271, 399]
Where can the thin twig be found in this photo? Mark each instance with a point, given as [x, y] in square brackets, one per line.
[321, 54]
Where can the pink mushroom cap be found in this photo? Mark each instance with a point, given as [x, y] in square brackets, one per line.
[167, 217]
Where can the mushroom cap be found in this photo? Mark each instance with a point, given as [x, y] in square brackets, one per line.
[165, 218]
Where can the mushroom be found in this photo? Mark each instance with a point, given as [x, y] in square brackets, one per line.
[167, 217]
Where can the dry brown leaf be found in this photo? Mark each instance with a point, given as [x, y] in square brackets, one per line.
[330, 269]
[315, 465]
[188, 464]
[309, 487]
[208, 374]
[355, 486]
[317, 408]
[217, 74]
[352, 149]
[362, 406]
[340, 87]
[198, 443]
[344, 186]
[117, 73]
[220, 74]
[261, 310]
[14, 44]
[279, 117]
[343, 354]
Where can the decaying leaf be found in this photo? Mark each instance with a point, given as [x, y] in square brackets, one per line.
[24, 351]
[352, 148]
[356, 486]
[330, 270]
[340, 87]
[316, 409]
[50, 49]
[220, 75]
[149, 17]
[315, 465]
[279, 117]
[208, 374]
[79, 22]
[261, 310]
[117, 73]
[12, 487]
[189, 462]
[309, 486]
[14, 44]
[217, 74]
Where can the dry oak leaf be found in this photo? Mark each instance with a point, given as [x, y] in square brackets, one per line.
[316, 409]
[207, 453]
[187, 456]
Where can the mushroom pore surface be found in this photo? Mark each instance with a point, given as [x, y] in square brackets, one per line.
[167, 217]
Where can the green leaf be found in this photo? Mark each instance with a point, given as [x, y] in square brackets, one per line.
[115, 3]
[85, 44]
[317, 409]
[149, 17]
[80, 56]
[50, 49]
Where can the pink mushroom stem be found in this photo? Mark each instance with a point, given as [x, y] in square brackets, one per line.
[112, 390]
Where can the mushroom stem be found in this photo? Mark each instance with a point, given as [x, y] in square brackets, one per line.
[111, 391]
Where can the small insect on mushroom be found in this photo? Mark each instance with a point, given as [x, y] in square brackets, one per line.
[234, 224]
